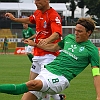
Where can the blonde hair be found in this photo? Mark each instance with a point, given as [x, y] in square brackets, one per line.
[88, 23]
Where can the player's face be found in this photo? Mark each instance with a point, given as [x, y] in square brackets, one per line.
[81, 34]
[25, 26]
[41, 4]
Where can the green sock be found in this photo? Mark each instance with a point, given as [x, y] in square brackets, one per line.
[13, 89]
[30, 56]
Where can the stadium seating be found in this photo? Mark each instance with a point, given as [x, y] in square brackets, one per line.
[5, 32]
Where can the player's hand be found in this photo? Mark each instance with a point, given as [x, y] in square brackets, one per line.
[10, 16]
[98, 98]
[42, 42]
[21, 40]
[30, 42]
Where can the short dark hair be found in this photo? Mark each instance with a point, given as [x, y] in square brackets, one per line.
[88, 23]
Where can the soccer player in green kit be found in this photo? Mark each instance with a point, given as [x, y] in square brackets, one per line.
[77, 53]
[28, 33]
[5, 45]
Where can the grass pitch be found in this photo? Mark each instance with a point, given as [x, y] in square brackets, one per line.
[15, 69]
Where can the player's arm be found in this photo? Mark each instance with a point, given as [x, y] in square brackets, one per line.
[21, 20]
[22, 39]
[52, 47]
[50, 39]
[96, 75]
[53, 37]
[48, 47]
[32, 37]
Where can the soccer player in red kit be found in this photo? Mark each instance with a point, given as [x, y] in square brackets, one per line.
[48, 30]
[47, 23]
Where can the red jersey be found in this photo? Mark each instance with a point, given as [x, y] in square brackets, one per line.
[46, 24]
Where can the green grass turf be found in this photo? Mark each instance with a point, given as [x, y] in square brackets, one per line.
[15, 69]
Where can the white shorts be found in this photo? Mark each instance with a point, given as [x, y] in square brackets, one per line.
[52, 84]
[28, 49]
[40, 61]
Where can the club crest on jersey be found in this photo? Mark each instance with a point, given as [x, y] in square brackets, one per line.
[81, 49]
[45, 24]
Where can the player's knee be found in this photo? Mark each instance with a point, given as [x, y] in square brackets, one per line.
[34, 85]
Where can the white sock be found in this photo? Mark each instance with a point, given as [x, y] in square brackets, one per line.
[56, 97]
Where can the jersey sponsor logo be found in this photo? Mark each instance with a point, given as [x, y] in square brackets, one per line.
[72, 48]
[45, 24]
[70, 54]
[57, 20]
[42, 32]
[41, 18]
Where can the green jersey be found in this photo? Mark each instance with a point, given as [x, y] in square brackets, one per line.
[6, 42]
[74, 58]
[28, 33]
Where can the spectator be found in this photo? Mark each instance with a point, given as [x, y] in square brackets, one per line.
[5, 46]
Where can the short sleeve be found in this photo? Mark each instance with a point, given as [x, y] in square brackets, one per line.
[32, 31]
[94, 58]
[61, 43]
[56, 25]
[32, 19]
